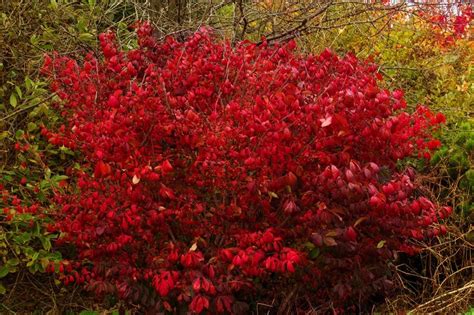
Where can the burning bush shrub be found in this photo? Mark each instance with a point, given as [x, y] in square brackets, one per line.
[222, 173]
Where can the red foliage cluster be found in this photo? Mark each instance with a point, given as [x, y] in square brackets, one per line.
[458, 24]
[222, 173]
[447, 27]
[13, 205]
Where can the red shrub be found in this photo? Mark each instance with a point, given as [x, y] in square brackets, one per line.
[447, 27]
[223, 173]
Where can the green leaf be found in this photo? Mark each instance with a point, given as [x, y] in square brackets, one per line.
[32, 126]
[34, 40]
[81, 25]
[22, 238]
[309, 245]
[92, 4]
[13, 262]
[45, 184]
[66, 150]
[4, 271]
[58, 178]
[35, 256]
[19, 134]
[56, 256]
[381, 244]
[86, 37]
[54, 4]
[13, 100]
[4, 135]
[314, 253]
[2, 289]
[28, 83]
[18, 91]
[47, 173]
[8, 178]
[88, 313]
[46, 243]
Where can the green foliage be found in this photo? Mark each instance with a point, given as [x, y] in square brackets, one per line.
[454, 162]
[25, 244]
[31, 168]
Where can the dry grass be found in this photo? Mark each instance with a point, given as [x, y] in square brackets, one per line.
[38, 293]
[441, 279]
